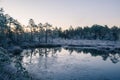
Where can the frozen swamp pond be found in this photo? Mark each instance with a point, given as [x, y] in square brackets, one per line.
[70, 64]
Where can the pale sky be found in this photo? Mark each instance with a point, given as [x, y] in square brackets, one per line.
[63, 13]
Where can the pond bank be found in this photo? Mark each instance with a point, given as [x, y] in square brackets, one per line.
[83, 44]
[7, 70]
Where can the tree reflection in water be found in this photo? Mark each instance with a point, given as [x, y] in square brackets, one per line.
[41, 54]
[51, 52]
[112, 55]
[45, 60]
[21, 72]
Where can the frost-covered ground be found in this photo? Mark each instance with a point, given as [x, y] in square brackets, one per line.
[88, 43]
[8, 70]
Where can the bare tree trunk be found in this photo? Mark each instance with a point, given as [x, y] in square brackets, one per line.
[46, 37]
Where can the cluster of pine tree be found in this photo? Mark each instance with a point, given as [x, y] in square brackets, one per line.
[94, 32]
[12, 32]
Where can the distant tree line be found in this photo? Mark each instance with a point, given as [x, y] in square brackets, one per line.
[95, 32]
[12, 32]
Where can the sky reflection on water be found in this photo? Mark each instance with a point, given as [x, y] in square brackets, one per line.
[71, 64]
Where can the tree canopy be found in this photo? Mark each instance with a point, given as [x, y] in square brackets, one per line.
[12, 32]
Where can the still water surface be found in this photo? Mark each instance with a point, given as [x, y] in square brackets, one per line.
[71, 64]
